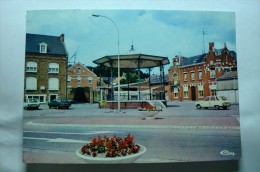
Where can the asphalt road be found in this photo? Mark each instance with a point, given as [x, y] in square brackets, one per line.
[46, 141]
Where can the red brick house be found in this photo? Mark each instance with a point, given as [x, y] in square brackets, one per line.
[81, 76]
[195, 77]
[45, 67]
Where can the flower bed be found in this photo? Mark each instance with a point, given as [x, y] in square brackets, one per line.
[149, 107]
[110, 147]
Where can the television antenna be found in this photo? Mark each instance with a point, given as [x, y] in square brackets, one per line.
[204, 32]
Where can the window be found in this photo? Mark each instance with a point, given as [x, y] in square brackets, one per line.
[79, 80]
[43, 47]
[185, 76]
[185, 94]
[90, 80]
[53, 84]
[201, 94]
[192, 75]
[212, 73]
[213, 92]
[226, 70]
[175, 79]
[31, 83]
[200, 74]
[40, 97]
[185, 91]
[206, 99]
[218, 62]
[53, 68]
[79, 70]
[69, 80]
[31, 66]
[175, 92]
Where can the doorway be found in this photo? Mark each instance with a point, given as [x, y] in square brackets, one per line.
[52, 97]
[193, 93]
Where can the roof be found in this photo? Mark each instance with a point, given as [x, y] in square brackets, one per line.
[228, 76]
[192, 60]
[80, 64]
[132, 61]
[185, 61]
[54, 44]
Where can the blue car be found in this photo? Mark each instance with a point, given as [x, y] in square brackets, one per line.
[59, 103]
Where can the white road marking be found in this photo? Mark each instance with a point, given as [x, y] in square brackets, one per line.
[56, 140]
[89, 133]
[134, 126]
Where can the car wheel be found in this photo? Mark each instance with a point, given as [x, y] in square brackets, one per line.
[198, 106]
[217, 107]
[224, 107]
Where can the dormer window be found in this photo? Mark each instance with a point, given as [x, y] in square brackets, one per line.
[43, 47]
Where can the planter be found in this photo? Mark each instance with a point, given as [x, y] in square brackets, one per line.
[115, 160]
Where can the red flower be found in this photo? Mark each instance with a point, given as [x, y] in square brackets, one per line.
[129, 138]
[94, 141]
[100, 141]
[109, 144]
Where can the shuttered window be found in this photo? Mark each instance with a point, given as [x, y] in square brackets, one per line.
[53, 84]
[53, 68]
[31, 66]
[31, 83]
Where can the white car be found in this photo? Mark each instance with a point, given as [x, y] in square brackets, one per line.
[216, 102]
[31, 103]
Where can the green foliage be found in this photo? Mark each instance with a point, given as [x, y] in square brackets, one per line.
[106, 72]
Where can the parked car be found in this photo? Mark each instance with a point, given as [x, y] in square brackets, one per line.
[216, 102]
[59, 103]
[72, 101]
[31, 103]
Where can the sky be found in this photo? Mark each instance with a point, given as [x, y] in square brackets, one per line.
[155, 32]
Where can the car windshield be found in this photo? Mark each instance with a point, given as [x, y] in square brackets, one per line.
[33, 100]
[206, 99]
[223, 98]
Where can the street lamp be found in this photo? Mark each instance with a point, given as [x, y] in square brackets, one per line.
[118, 59]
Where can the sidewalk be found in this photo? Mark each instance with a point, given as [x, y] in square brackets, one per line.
[174, 116]
[188, 122]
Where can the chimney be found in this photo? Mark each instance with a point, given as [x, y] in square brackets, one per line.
[211, 46]
[62, 37]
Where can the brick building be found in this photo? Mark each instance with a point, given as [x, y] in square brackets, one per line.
[45, 67]
[81, 76]
[195, 77]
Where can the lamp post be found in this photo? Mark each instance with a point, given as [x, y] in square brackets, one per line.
[118, 59]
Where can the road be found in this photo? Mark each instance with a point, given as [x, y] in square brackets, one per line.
[52, 136]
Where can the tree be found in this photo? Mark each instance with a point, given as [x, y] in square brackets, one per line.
[106, 72]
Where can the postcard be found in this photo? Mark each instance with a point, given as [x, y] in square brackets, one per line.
[130, 86]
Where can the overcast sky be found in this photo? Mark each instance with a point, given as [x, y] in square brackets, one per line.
[161, 33]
